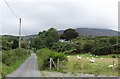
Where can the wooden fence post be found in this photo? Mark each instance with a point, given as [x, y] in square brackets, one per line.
[53, 63]
[58, 64]
[81, 65]
[113, 67]
[50, 64]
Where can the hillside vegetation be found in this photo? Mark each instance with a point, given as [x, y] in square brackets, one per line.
[50, 44]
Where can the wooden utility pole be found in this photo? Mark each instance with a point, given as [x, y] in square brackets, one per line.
[19, 33]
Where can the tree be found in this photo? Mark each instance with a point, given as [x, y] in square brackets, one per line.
[87, 47]
[52, 36]
[69, 34]
[113, 40]
[37, 43]
[15, 44]
[24, 44]
[7, 42]
[45, 39]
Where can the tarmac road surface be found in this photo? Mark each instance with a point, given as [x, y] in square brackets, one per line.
[28, 69]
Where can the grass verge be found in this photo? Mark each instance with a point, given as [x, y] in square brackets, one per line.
[11, 64]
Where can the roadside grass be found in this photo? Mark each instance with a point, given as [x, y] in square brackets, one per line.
[0, 69]
[100, 67]
[14, 64]
[0, 64]
[9, 69]
[17, 64]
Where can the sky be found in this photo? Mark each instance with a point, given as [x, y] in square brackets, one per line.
[39, 15]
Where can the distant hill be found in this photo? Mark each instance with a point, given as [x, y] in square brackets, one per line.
[29, 36]
[94, 32]
[81, 31]
[24, 37]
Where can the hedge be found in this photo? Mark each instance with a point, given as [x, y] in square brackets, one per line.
[44, 56]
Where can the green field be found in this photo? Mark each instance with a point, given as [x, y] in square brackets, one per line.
[82, 66]
[100, 67]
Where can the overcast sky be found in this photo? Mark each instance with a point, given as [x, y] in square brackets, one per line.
[39, 15]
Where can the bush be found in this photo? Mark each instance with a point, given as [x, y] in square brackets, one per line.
[44, 56]
[87, 47]
[4, 70]
[114, 49]
[67, 48]
[10, 58]
[61, 47]
[45, 39]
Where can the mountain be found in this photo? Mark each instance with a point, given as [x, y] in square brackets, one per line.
[82, 32]
[94, 32]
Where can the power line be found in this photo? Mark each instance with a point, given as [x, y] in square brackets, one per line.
[24, 31]
[19, 22]
[11, 9]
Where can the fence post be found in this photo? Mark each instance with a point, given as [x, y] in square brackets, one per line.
[82, 65]
[113, 67]
[50, 64]
[58, 64]
[53, 63]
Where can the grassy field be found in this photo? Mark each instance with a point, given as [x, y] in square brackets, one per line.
[84, 66]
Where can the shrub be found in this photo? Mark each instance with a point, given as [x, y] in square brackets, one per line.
[67, 48]
[87, 47]
[44, 56]
[61, 47]
[113, 40]
[10, 58]
[4, 70]
[114, 49]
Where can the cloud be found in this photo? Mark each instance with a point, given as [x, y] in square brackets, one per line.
[38, 15]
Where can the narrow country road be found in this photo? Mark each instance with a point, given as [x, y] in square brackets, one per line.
[28, 69]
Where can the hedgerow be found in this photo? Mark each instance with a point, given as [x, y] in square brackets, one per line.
[11, 59]
[115, 49]
[44, 56]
